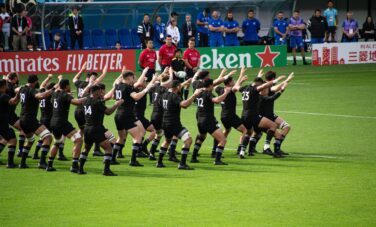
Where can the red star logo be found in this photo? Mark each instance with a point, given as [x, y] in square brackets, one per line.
[267, 57]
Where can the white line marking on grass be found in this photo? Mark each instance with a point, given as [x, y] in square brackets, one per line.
[314, 156]
[329, 115]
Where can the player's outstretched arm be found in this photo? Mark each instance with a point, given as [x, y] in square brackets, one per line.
[43, 95]
[222, 97]
[112, 109]
[270, 83]
[142, 78]
[186, 103]
[222, 78]
[278, 87]
[45, 81]
[78, 102]
[102, 76]
[78, 75]
[241, 79]
[138, 95]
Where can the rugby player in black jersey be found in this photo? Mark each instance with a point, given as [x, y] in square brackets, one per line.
[61, 100]
[91, 77]
[29, 97]
[94, 132]
[125, 119]
[172, 104]
[7, 135]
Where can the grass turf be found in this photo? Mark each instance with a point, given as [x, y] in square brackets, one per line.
[328, 180]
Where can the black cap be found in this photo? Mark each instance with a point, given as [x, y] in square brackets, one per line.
[32, 79]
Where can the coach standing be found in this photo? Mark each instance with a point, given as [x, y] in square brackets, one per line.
[203, 28]
[318, 27]
[19, 29]
[350, 29]
[76, 27]
[216, 30]
[250, 28]
[166, 53]
[331, 15]
[231, 30]
[145, 30]
[188, 30]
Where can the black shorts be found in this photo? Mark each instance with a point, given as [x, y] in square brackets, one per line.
[46, 122]
[79, 115]
[7, 133]
[13, 118]
[207, 126]
[190, 74]
[157, 120]
[149, 74]
[332, 29]
[145, 122]
[125, 122]
[29, 125]
[252, 122]
[94, 135]
[233, 121]
[59, 130]
[172, 130]
[272, 117]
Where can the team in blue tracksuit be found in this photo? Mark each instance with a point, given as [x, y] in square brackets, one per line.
[203, 28]
[251, 27]
[216, 36]
[159, 32]
[231, 28]
[280, 26]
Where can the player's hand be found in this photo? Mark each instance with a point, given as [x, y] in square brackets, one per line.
[281, 77]
[242, 70]
[245, 78]
[119, 102]
[60, 77]
[146, 69]
[84, 66]
[49, 76]
[123, 69]
[290, 77]
[105, 69]
[223, 72]
[198, 91]
[232, 72]
[260, 73]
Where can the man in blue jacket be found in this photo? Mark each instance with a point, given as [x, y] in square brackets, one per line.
[251, 27]
[216, 29]
[231, 30]
[203, 28]
[280, 29]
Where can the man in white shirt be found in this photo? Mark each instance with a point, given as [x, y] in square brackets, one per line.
[173, 31]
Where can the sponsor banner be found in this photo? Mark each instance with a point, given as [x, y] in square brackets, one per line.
[44, 62]
[343, 53]
[237, 57]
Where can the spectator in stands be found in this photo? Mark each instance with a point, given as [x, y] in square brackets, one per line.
[231, 30]
[216, 29]
[251, 28]
[148, 58]
[57, 43]
[296, 27]
[178, 66]
[19, 29]
[280, 29]
[145, 30]
[368, 29]
[203, 27]
[6, 19]
[188, 30]
[76, 27]
[318, 27]
[118, 45]
[166, 53]
[160, 32]
[173, 31]
[350, 29]
[173, 16]
[331, 16]
[30, 25]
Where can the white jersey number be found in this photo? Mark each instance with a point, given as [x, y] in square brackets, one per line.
[200, 102]
[245, 95]
[87, 110]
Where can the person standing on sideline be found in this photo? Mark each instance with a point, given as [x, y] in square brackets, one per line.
[331, 16]
[369, 29]
[173, 31]
[19, 29]
[147, 59]
[191, 56]
[350, 29]
[76, 27]
[203, 27]
[145, 30]
[296, 27]
[231, 30]
[6, 18]
[188, 30]
[216, 29]
[160, 32]
[250, 28]
[280, 29]
[166, 53]
[318, 27]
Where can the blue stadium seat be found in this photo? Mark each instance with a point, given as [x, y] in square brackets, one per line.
[88, 42]
[98, 39]
[47, 40]
[125, 38]
[135, 38]
[111, 37]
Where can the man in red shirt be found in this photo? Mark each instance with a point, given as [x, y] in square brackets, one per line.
[191, 57]
[148, 58]
[166, 53]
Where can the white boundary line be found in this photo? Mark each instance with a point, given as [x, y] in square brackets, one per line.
[328, 114]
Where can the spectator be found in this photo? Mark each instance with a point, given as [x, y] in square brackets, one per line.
[118, 45]
[166, 53]
[296, 27]
[251, 27]
[19, 29]
[318, 27]
[1, 31]
[6, 19]
[173, 16]
[76, 27]
[160, 32]
[368, 29]
[29, 24]
[173, 31]
[350, 29]
[178, 66]
[231, 30]
[216, 30]
[331, 16]
[57, 43]
[148, 58]
[191, 57]
[203, 27]
[280, 29]
[188, 30]
[145, 30]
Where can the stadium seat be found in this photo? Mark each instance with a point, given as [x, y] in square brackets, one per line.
[88, 42]
[47, 40]
[111, 38]
[98, 39]
[125, 38]
[135, 38]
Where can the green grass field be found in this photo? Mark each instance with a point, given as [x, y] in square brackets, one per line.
[328, 180]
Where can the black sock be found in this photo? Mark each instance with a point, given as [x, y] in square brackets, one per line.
[2, 146]
[195, 150]
[186, 93]
[21, 142]
[252, 145]
[120, 153]
[215, 144]
[277, 146]
[51, 161]
[162, 152]
[115, 150]
[244, 144]
[107, 161]
[154, 146]
[294, 60]
[258, 137]
[239, 148]
[218, 154]
[82, 160]
[45, 149]
[172, 149]
[304, 59]
[97, 147]
[38, 147]
[75, 163]
[61, 150]
[184, 155]
[145, 143]
[135, 149]
[11, 152]
[269, 136]
[25, 153]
